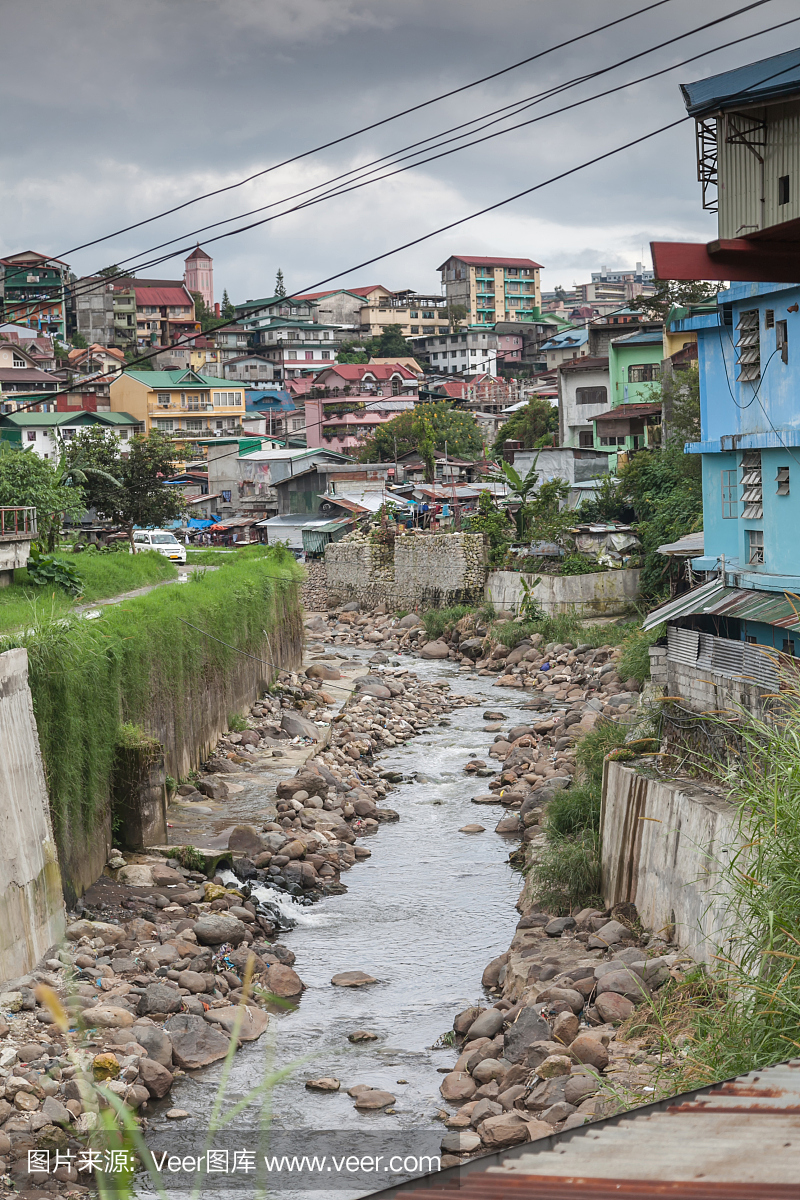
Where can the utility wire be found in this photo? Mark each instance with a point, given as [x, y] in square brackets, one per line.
[376, 124]
[407, 245]
[399, 156]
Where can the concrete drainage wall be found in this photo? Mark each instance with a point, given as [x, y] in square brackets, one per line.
[597, 594]
[31, 903]
[664, 843]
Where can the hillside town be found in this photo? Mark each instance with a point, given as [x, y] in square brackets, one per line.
[398, 698]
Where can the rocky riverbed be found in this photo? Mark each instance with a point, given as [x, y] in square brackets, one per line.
[162, 949]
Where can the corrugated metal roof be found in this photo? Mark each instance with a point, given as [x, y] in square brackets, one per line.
[764, 80]
[735, 1140]
[691, 544]
[692, 602]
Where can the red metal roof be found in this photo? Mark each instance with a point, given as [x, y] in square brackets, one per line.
[358, 371]
[163, 295]
[734, 258]
[583, 364]
[481, 261]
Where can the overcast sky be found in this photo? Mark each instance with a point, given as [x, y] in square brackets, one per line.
[116, 111]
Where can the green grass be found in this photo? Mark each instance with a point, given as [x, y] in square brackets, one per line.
[436, 620]
[102, 576]
[561, 628]
[634, 662]
[211, 557]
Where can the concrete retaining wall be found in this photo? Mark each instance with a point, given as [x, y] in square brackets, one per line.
[705, 691]
[597, 594]
[422, 571]
[31, 903]
[663, 843]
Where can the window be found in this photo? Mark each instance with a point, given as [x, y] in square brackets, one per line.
[292, 354]
[782, 339]
[194, 426]
[586, 439]
[769, 318]
[783, 189]
[591, 395]
[326, 354]
[19, 361]
[730, 495]
[163, 399]
[748, 347]
[415, 328]
[751, 485]
[612, 441]
[788, 646]
[309, 355]
[644, 373]
[31, 435]
[511, 271]
[782, 480]
[165, 426]
[755, 546]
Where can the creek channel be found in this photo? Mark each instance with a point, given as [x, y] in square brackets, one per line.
[423, 915]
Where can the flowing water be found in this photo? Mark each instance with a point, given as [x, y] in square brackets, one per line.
[423, 915]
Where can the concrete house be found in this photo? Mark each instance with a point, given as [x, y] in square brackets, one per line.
[46, 433]
[493, 289]
[583, 387]
[184, 404]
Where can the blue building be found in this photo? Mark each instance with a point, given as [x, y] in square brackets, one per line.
[723, 636]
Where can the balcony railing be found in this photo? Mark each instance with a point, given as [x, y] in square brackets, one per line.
[17, 524]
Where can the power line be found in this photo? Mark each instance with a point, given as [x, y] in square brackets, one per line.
[418, 240]
[332, 192]
[374, 125]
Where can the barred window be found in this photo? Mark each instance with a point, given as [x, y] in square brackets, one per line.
[591, 395]
[730, 495]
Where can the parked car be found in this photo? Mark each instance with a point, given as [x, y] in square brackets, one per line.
[162, 542]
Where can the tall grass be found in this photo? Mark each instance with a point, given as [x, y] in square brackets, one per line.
[561, 628]
[634, 662]
[566, 873]
[436, 620]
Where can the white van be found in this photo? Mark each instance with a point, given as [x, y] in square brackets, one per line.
[160, 540]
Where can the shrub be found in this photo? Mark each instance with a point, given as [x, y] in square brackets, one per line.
[567, 873]
[634, 661]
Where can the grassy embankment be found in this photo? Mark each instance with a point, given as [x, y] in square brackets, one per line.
[102, 576]
[88, 678]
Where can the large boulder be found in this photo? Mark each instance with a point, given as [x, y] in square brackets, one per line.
[487, 1024]
[164, 876]
[410, 621]
[435, 649]
[458, 1085]
[244, 839]
[158, 998]
[296, 726]
[195, 1043]
[320, 671]
[528, 1028]
[92, 929]
[155, 1077]
[154, 1040]
[213, 929]
[213, 788]
[283, 981]
[108, 1016]
[614, 1008]
[352, 979]
[624, 983]
[509, 1128]
[252, 1022]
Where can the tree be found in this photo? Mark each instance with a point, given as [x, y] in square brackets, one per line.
[560, 293]
[533, 422]
[27, 479]
[456, 313]
[228, 311]
[280, 286]
[442, 423]
[79, 342]
[672, 293]
[520, 489]
[681, 391]
[114, 272]
[391, 344]
[134, 359]
[142, 497]
[204, 314]
[352, 352]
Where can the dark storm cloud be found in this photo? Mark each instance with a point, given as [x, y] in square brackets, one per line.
[118, 110]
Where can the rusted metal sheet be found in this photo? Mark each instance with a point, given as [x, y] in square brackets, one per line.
[737, 1140]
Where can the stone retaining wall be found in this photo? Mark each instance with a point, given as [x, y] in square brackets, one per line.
[664, 843]
[596, 594]
[421, 571]
[314, 592]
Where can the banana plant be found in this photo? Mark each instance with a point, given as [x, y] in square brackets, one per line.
[520, 487]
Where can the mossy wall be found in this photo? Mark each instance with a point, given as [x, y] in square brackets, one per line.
[176, 663]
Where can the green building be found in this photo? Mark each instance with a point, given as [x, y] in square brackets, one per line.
[33, 291]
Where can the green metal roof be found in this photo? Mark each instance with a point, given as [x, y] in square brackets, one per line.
[26, 420]
[173, 379]
[748, 604]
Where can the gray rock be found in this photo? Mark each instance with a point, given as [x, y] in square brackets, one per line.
[155, 1077]
[547, 1093]
[297, 726]
[409, 621]
[195, 1043]
[559, 925]
[624, 983]
[528, 1028]
[558, 1112]
[55, 1111]
[215, 928]
[609, 935]
[460, 1141]
[244, 839]
[158, 998]
[215, 789]
[483, 1109]
[578, 1087]
[435, 649]
[154, 1040]
[487, 1024]
[252, 1022]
